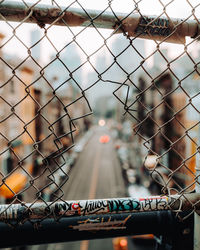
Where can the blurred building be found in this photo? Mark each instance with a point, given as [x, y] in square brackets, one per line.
[15, 110]
[65, 99]
[172, 105]
[101, 88]
[113, 66]
[39, 109]
[36, 45]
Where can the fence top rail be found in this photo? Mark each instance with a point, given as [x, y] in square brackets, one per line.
[172, 30]
[23, 212]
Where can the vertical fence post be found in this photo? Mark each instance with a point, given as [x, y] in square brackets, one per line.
[197, 188]
[196, 216]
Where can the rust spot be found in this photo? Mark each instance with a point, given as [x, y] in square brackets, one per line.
[54, 12]
[51, 15]
[73, 19]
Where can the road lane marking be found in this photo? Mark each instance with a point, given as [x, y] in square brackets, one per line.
[84, 245]
[93, 186]
[92, 191]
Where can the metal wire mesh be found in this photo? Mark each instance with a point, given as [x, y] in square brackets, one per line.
[153, 58]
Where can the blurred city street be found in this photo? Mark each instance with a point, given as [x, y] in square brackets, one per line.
[96, 174]
[99, 100]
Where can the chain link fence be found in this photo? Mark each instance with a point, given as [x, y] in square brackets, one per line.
[143, 48]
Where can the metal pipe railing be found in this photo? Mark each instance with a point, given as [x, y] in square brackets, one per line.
[148, 27]
[94, 227]
[23, 212]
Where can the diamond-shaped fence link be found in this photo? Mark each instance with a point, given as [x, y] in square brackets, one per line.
[149, 50]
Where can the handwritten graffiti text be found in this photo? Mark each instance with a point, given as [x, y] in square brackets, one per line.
[149, 26]
[123, 205]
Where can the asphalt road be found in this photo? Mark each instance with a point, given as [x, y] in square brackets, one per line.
[96, 174]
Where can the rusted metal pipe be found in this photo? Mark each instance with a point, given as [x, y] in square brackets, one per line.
[172, 30]
[47, 14]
